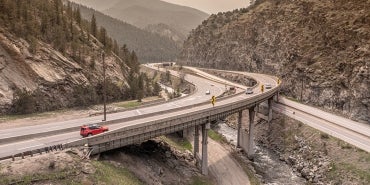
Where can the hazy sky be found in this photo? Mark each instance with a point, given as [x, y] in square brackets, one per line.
[212, 6]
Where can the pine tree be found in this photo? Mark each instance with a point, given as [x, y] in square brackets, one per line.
[78, 16]
[94, 28]
[140, 91]
[135, 65]
[115, 47]
[156, 88]
[33, 45]
[103, 36]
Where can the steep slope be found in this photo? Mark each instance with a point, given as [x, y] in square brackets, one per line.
[319, 48]
[142, 13]
[168, 32]
[150, 47]
[49, 61]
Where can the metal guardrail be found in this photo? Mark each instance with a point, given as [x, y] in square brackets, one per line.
[34, 152]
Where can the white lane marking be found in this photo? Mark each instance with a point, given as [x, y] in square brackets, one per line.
[190, 99]
[4, 134]
[32, 140]
[175, 105]
[30, 147]
[138, 112]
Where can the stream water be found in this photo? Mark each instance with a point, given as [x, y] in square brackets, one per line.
[266, 163]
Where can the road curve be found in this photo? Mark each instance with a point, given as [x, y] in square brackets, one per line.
[40, 142]
[355, 133]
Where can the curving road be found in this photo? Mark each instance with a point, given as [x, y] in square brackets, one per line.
[355, 133]
[39, 140]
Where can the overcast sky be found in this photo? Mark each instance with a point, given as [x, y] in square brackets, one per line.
[212, 6]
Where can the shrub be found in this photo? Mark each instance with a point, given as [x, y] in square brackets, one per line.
[324, 136]
[23, 102]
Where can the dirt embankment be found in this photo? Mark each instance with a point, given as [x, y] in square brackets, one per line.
[152, 162]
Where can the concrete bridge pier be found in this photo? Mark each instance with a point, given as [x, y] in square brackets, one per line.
[196, 145]
[251, 144]
[245, 139]
[205, 128]
[201, 161]
[239, 139]
[269, 102]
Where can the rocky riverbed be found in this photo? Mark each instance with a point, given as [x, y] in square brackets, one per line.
[269, 168]
[289, 152]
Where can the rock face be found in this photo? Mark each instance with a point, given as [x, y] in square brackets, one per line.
[55, 77]
[320, 49]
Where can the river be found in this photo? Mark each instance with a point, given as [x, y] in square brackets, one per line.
[266, 163]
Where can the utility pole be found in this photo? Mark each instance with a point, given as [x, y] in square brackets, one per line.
[302, 89]
[104, 88]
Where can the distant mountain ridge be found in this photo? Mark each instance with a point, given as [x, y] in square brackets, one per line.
[142, 13]
[149, 46]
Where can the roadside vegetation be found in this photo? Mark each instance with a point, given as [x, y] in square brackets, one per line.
[178, 143]
[129, 104]
[77, 172]
[198, 180]
[107, 173]
[216, 136]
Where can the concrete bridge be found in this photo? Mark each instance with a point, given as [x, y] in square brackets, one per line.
[195, 117]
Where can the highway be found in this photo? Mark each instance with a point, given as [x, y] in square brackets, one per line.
[355, 133]
[212, 83]
[40, 141]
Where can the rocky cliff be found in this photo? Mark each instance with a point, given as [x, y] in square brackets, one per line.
[319, 48]
[53, 80]
[49, 60]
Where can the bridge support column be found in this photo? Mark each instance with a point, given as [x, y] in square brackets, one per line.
[196, 145]
[269, 110]
[251, 145]
[205, 128]
[240, 117]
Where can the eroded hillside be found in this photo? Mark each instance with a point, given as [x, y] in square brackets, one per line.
[319, 48]
[49, 60]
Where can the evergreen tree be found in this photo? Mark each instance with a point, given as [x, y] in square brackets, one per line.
[78, 16]
[156, 88]
[103, 36]
[140, 91]
[94, 28]
[134, 63]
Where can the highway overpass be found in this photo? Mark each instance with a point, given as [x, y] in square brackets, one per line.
[141, 124]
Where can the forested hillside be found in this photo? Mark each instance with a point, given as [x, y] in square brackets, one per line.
[321, 49]
[50, 58]
[150, 47]
[142, 13]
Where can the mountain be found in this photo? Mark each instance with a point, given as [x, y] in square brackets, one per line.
[142, 13]
[320, 49]
[149, 46]
[167, 32]
[49, 60]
